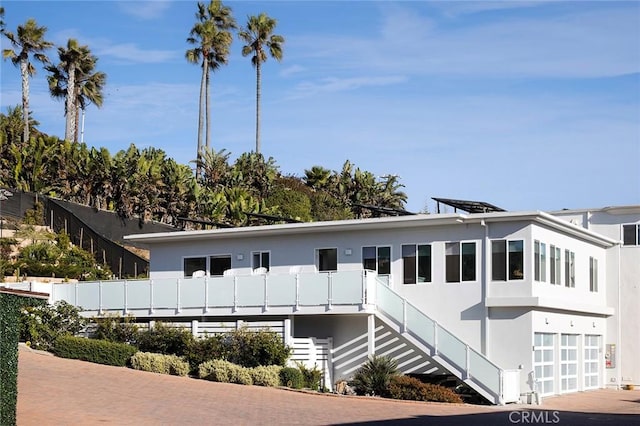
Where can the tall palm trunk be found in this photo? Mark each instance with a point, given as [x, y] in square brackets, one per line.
[203, 80]
[25, 98]
[258, 77]
[70, 109]
[208, 113]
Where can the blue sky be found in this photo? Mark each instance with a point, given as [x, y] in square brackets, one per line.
[529, 105]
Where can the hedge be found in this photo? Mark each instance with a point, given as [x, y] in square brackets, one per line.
[10, 307]
[159, 363]
[94, 350]
[410, 388]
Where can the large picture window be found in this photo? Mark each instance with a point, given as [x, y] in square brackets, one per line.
[377, 259]
[327, 259]
[416, 263]
[460, 262]
[193, 264]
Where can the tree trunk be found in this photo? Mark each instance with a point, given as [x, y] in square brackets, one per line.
[258, 76]
[205, 68]
[25, 98]
[208, 112]
[70, 109]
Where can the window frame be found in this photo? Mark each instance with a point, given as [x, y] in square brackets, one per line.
[218, 256]
[184, 265]
[416, 266]
[317, 258]
[569, 268]
[593, 274]
[539, 261]
[555, 265]
[460, 278]
[635, 233]
[378, 259]
[261, 254]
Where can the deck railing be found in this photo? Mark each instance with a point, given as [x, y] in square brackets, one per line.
[235, 292]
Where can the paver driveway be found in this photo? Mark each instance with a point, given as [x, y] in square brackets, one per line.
[56, 391]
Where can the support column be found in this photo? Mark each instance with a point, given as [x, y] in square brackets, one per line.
[288, 331]
[371, 335]
[194, 328]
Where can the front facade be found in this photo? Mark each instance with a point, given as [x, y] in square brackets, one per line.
[513, 304]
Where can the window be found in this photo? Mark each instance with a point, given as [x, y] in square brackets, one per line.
[540, 261]
[260, 259]
[631, 235]
[554, 255]
[377, 259]
[193, 264]
[500, 258]
[569, 268]
[327, 259]
[460, 266]
[416, 261]
[593, 274]
[219, 264]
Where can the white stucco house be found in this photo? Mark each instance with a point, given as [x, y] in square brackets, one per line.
[511, 303]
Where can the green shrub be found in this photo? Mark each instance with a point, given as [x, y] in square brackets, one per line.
[10, 307]
[158, 363]
[42, 325]
[266, 375]
[203, 350]
[116, 329]
[219, 370]
[373, 377]
[410, 388]
[98, 351]
[254, 348]
[311, 377]
[291, 378]
[163, 339]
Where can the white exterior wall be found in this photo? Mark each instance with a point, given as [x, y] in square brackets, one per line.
[623, 288]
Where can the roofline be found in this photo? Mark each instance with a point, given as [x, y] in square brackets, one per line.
[376, 223]
[628, 209]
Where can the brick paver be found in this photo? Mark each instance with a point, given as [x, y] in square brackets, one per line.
[56, 391]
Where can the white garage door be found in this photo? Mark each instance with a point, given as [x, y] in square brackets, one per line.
[568, 362]
[591, 361]
[543, 362]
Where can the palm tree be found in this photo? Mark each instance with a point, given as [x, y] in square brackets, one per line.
[28, 41]
[75, 80]
[259, 38]
[1, 19]
[212, 39]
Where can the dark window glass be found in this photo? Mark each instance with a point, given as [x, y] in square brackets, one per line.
[328, 259]
[468, 261]
[219, 264]
[499, 260]
[192, 264]
[369, 258]
[409, 263]
[424, 264]
[261, 260]
[452, 262]
[384, 260]
[536, 260]
[516, 260]
[630, 235]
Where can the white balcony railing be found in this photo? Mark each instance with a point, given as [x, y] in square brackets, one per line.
[234, 292]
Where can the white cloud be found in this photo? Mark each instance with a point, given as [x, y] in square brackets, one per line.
[292, 70]
[132, 53]
[144, 9]
[334, 84]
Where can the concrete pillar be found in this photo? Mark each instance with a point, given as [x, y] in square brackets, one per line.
[194, 328]
[288, 331]
[371, 335]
